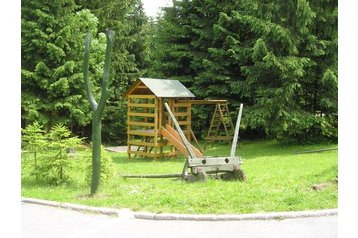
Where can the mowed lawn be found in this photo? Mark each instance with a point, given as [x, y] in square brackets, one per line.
[277, 180]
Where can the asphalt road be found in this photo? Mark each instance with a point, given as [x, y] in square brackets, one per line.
[48, 222]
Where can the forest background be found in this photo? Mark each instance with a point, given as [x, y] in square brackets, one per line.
[279, 59]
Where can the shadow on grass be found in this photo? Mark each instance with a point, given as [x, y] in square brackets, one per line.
[122, 158]
[245, 149]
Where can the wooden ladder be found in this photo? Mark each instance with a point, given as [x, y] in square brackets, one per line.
[221, 117]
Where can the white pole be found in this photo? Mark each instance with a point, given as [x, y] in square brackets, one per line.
[236, 134]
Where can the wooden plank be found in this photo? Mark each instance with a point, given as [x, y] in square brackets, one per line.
[140, 133]
[209, 161]
[135, 123]
[196, 141]
[181, 123]
[182, 104]
[214, 168]
[160, 122]
[203, 102]
[141, 114]
[132, 88]
[176, 135]
[174, 141]
[165, 154]
[156, 126]
[140, 153]
[141, 105]
[143, 143]
[182, 114]
[141, 96]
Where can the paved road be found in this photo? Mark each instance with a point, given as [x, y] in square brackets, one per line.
[48, 222]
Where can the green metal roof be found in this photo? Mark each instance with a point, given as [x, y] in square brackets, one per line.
[166, 88]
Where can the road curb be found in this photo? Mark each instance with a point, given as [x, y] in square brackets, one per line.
[82, 208]
[236, 217]
[190, 217]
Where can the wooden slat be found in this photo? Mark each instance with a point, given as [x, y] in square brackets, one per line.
[141, 96]
[175, 139]
[203, 102]
[141, 114]
[140, 153]
[182, 104]
[214, 161]
[181, 114]
[140, 133]
[165, 154]
[141, 105]
[143, 143]
[156, 129]
[177, 136]
[137, 123]
[184, 123]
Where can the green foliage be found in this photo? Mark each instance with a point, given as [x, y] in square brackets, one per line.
[278, 58]
[107, 168]
[130, 57]
[51, 72]
[51, 161]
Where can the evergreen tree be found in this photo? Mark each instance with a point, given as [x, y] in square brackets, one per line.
[51, 71]
[279, 58]
[129, 58]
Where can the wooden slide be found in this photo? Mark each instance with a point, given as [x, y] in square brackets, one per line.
[174, 138]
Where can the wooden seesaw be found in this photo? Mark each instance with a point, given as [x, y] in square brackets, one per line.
[198, 167]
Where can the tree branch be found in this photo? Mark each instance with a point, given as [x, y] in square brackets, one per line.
[85, 72]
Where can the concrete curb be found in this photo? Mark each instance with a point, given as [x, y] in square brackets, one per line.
[236, 217]
[81, 208]
[127, 213]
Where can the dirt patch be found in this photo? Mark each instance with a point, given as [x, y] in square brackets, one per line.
[323, 185]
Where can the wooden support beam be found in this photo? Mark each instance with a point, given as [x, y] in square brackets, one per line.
[141, 105]
[204, 102]
[141, 114]
[141, 96]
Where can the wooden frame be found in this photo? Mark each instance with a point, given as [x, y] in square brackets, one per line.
[145, 118]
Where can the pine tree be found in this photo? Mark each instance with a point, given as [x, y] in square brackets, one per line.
[51, 71]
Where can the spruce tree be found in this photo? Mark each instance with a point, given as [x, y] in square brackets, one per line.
[279, 58]
[51, 66]
[129, 58]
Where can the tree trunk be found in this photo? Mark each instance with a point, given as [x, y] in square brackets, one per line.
[97, 108]
[96, 154]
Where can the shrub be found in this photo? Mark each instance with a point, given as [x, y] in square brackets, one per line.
[107, 167]
[52, 162]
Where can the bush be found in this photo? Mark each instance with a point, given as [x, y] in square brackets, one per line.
[52, 162]
[107, 167]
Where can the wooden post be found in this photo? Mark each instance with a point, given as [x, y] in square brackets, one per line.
[160, 123]
[156, 128]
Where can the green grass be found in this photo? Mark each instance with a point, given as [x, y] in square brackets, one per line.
[278, 180]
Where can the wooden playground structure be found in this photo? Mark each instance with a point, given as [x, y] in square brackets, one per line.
[150, 131]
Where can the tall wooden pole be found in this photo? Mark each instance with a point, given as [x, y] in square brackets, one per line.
[97, 108]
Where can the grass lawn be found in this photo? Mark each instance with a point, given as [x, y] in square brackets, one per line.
[277, 180]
